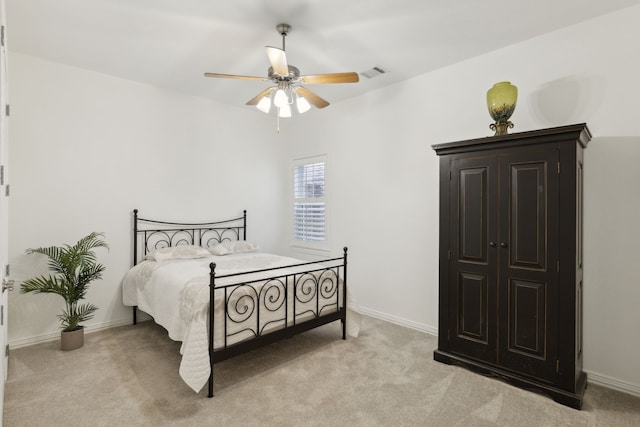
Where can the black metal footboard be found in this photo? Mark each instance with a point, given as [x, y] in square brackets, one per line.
[256, 308]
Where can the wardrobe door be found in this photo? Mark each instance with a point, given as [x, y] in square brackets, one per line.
[472, 258]
[528, 259]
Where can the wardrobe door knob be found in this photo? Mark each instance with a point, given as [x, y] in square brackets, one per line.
[503, 244]
[492, 244]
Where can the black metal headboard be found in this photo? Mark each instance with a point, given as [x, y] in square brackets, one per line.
[149, 234]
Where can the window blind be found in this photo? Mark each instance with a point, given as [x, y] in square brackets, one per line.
[309, 204]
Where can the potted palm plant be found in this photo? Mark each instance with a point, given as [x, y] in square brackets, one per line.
[74, 268]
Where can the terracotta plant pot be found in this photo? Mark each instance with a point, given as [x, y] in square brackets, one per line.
[72, 340]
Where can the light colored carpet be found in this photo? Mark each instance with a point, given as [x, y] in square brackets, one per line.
[128, 376]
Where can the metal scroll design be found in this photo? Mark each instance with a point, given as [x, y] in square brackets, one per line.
[213, 236]
[150, 234]
[204, 237]
[252, 308]
[316, 292]
[159, 239]
[255, 308]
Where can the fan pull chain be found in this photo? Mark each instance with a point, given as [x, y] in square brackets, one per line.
[278, 121]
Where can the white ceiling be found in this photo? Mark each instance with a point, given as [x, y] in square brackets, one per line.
[171, 43]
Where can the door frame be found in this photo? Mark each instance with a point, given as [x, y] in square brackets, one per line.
[4, 203]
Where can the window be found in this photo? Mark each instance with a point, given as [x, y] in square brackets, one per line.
[309, 205]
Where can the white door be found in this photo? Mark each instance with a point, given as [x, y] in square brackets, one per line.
[4, 208]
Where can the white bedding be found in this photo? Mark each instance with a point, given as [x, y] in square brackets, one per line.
[176, 294]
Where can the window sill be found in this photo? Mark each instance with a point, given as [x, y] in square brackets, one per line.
[310, 250]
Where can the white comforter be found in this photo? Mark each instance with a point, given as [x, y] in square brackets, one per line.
[176, 294]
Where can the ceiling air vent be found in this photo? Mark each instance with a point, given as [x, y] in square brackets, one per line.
[373, 72]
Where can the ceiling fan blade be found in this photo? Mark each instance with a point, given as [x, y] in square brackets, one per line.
[278, 60]
[233, 76]
[330, 78]
[261, 95]
[311, 97]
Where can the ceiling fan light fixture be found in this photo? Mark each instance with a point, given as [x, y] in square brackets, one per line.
[264, 105]
[280, 99]
[302, 104]
[284, 111]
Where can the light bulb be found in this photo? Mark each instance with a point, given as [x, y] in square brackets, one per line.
[302, 104]
[264, 105]
[280, 99]
[284, 111]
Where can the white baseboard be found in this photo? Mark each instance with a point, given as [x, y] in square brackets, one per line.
[53, 336]
[431, 330]
[612, 383]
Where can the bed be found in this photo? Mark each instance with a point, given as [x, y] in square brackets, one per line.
[214, 291]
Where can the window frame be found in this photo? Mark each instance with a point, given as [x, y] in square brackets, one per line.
[309, 246]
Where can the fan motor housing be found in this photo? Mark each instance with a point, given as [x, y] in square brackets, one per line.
[294, 74]
[283, 29]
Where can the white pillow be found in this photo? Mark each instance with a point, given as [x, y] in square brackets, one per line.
[178, 252]
[236, 247]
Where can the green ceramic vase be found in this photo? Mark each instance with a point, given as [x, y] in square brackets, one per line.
[501, 101]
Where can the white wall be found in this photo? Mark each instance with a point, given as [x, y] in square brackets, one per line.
[384, 195]
[383, 174]
[86, 149]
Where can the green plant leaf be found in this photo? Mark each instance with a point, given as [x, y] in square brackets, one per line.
[74, 268]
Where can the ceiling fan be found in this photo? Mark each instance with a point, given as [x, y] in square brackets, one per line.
[288, 82]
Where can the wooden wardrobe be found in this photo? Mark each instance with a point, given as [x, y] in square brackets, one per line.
[511, 236]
